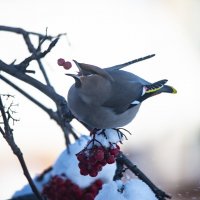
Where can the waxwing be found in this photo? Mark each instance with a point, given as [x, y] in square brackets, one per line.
[110, 97]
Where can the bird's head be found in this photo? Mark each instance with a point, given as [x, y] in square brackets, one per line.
[92, 81]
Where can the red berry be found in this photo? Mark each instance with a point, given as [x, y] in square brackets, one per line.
[98, 183]
[110, 159]
[101, 148]
[88, 196]
[80, 156]
[84, 172]
[93, 189]
[82, 165]
[97, 167]
[103, 162]
[99, 155]
[60, 61]
[114, 152]
[92, 159]
[67, 65]
[93, 173]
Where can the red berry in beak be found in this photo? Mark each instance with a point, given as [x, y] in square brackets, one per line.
[67, 65]
[60, 61]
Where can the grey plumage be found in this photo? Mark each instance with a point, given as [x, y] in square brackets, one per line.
[110, 97]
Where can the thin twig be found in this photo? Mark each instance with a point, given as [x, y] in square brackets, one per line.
[24, 32]
[36, 55]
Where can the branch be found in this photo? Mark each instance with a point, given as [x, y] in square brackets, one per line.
[37, 55]
[13, 71]
[8, 135]
[62, 116]
[25, 35]
[123, 160]
[36, 52]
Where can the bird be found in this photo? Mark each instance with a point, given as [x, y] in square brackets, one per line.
[104, 98]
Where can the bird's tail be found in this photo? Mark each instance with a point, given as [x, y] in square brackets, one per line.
[156, 88]
[159, 87]
[168, 89]
[120, 66]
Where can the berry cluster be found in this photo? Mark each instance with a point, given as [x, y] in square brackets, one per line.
[62, 188]
[65, 64]
[92, 159]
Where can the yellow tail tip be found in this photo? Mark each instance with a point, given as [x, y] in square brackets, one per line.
[174, 91]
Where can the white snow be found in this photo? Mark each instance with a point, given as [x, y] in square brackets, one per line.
[138, 190]
[134, 189]
[109, 136]
[110, 192]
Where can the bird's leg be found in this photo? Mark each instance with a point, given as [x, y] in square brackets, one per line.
[93, 131]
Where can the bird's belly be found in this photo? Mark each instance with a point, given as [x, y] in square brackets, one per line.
[105, 118]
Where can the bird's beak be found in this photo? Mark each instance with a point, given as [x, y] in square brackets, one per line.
[77, 80]
[79, 67]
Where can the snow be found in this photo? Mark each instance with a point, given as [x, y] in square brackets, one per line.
[110, 191]
[137, 190]
[132, 189]
[107, 136]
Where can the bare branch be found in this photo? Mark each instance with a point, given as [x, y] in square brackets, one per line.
[36, 55]
[24, 32]
[36, 52]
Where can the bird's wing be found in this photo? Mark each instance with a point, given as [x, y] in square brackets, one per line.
[123, 94]
[126, 88]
